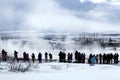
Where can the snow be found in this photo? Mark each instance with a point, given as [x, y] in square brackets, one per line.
[55, 70]
[63, 71]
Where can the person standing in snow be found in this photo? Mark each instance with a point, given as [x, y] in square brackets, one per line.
[116, 57]
[111, 58]
[4, 55]
[24, 56]
[64, 57]
[40, 57]
[16, 56]
[33, 57]
[84, 57]
[89, 59]
[92, 60]
[71, 57]
[27, 57]
[100, 58]
[50, 57]
[60, 56]
[68, 57]
[96, 58]
[46, 56]
[76, 56]
[104, 58]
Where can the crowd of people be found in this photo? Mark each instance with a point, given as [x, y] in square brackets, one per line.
[104, 58]
[80, 57]
[63, 57]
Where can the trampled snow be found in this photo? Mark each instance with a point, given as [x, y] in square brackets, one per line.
[63, 71]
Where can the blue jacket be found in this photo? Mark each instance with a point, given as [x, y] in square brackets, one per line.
[92, 60]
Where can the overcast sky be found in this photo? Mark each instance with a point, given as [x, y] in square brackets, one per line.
[60, 15]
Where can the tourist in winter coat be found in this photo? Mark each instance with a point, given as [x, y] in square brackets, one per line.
[27, 57]
[69, 57]
[46, 56]
[93, 59]
[100, 58]
[60, 56]
[50, 57]
[33, 57]
[16, 56]
[24, 56]
[40, 57]
[4, 55]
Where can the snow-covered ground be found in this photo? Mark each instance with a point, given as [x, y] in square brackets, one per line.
[63, 71]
